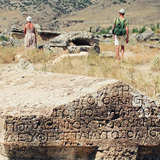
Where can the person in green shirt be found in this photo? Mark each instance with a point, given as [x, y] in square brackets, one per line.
[121, 40]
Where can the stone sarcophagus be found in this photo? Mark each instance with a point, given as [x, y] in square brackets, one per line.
[46, 116]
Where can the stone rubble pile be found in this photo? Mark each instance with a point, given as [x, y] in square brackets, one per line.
[75, 41]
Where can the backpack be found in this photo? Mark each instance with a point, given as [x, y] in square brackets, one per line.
[120, 29]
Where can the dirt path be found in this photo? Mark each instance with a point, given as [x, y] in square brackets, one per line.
[7, 65]
[146, 68]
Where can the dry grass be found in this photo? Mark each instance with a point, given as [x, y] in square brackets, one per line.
[107, 47]
[93, 65]
[142, 58]
[7, 54]
[10, 54]
[38, 56]
[137, 48]
[157, 31]
[142, 54]
[156, 64]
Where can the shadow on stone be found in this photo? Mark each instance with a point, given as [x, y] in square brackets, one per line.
[81, 42]
[148, 153]
[51, 153]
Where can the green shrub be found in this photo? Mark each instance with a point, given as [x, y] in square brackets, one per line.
[103, 31]
[135, 30]
[153, 27]
[2, 38]
[143, 29]
[123, 1]
[109, 28]
[114, 2]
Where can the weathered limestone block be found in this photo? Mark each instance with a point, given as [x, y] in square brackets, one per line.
[77, 38]
[60, 41]
[48, 34]
[145, 35]
[45, 34]
[46, 116]
[17, 32]
[77, 49]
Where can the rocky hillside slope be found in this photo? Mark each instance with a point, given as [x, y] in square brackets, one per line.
[87, 12]
[45, 8]
[138, 12]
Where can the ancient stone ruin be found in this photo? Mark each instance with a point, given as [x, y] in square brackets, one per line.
[46, 116]
[75, 42]
[43, 33]
[46, 35]
[16, 33]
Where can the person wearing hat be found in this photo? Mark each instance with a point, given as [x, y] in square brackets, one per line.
[30, 40]
[120, 40]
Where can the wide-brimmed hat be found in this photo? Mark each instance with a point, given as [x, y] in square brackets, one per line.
[122, 11]
[29, 19]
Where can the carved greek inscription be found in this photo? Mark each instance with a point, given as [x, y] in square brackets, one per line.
[25, 137]
[117, 100]
[120, 90]
[59, 131]
[9, 128]
[113, 114]
[91, 100]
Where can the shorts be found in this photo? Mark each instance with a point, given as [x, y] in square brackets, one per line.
[120, 40]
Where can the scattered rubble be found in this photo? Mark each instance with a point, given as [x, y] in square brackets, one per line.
[145, 35]
[82, 41]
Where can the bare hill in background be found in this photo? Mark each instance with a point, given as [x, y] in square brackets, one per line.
[77, 14]
[42, 11]
[138, 12]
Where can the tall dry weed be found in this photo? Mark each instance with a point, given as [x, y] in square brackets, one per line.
[38, 56]
[137, 48]
[7, 54]
[142, 54]
[156, 64]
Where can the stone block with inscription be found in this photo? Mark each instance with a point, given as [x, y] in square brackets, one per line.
[49, 116]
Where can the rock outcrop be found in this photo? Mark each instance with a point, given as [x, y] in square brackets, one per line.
[80, 41]
[45, 34]
[17, 32]
[48, 116]
[48, 34]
